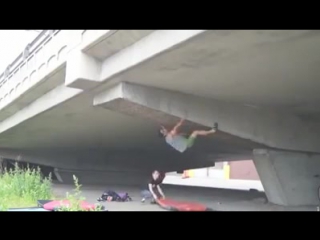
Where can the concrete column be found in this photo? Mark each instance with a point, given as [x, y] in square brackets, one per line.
[289, 178]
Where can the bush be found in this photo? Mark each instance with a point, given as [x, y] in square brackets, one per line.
[75, 200]
[23, 187]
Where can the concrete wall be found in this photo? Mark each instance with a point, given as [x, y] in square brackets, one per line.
[106, 178]
[244, 170]
[235, 170]
[98, 166]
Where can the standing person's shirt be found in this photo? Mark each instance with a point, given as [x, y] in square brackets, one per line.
[156, 182]
[178, 142]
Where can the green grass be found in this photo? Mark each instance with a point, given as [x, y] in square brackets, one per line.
[23, 187]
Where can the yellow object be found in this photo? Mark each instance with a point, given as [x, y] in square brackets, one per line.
[191, 173]
[226, 170]
[188, 174]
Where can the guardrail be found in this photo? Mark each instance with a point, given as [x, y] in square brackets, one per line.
[47, 52]
[27, 64]
[22, 62]
[19, 59]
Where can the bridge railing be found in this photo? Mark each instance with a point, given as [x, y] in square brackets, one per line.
[27, 62]
[29, 53]
[45, 54]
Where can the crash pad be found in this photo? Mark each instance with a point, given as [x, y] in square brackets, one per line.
[174, 205]
[43, 202]
[56, 204]
[28, 209]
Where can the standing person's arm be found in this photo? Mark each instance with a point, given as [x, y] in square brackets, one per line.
[152, 192]
[160, 191]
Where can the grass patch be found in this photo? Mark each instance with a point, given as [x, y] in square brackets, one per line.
[23, 187]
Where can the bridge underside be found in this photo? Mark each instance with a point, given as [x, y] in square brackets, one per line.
[247, 81]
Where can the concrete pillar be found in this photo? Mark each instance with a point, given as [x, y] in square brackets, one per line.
[289, 178]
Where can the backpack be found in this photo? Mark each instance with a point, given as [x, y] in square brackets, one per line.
[114, 197]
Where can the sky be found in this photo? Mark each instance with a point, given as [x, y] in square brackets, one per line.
[12, 43]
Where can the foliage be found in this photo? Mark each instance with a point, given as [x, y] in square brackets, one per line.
[23, 187]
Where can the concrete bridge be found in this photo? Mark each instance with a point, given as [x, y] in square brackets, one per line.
[91, 102]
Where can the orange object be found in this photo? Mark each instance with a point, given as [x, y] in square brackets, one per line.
[185, 174]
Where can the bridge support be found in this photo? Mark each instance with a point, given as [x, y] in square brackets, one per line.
[289, 178]
[83, 71]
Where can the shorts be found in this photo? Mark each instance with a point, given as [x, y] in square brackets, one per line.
[190, 141]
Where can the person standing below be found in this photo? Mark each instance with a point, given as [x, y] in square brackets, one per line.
[154, 191]
[180, 142]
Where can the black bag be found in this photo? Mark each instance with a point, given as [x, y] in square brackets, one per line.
[114, 197]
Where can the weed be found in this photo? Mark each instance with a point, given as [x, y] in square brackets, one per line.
[23, 187]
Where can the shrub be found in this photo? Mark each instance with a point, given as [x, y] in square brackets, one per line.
[23, 187]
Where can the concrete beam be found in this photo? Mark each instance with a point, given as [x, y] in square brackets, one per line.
[289, 179]
[267, 127]
[148, 47]
[83, 65]
[98, 160]
[51, 99]
[91, 38]
[83, 71]
[114, 42]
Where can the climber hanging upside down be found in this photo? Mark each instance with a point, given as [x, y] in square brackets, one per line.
[180, 142]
